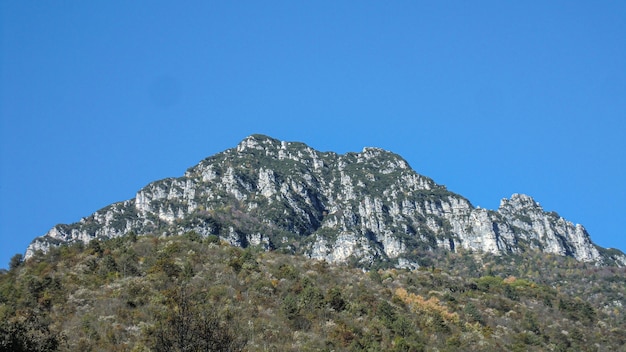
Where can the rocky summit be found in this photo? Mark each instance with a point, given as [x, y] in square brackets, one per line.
[364, 208]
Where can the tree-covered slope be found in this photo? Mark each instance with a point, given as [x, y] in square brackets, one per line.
[195, 293]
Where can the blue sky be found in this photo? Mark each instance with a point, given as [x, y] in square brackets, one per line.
[490, 98]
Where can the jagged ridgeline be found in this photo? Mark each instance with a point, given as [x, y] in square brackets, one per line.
[368, 208]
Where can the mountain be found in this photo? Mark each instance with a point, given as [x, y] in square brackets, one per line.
[369, 209]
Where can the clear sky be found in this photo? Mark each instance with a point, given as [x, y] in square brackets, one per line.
[490, 98]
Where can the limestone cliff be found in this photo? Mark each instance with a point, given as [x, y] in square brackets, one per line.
[362, 207]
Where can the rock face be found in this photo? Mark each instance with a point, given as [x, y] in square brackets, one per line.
[362, 207]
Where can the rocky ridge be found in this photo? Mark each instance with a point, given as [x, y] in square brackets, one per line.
[364, 208]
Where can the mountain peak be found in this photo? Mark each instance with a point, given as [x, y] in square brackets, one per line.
[520, 201]
[257, 141]
[369, 208]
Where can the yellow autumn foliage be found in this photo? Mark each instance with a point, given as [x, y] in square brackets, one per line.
[431, 305]
[509, 280]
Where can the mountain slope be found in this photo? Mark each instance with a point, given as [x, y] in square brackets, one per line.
[188, 293]
[367, 208]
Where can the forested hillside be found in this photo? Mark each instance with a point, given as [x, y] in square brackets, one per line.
[194, 293]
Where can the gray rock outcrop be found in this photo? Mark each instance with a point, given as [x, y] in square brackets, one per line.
[361, 207]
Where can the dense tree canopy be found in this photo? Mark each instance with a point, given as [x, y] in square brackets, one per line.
[189, 293]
